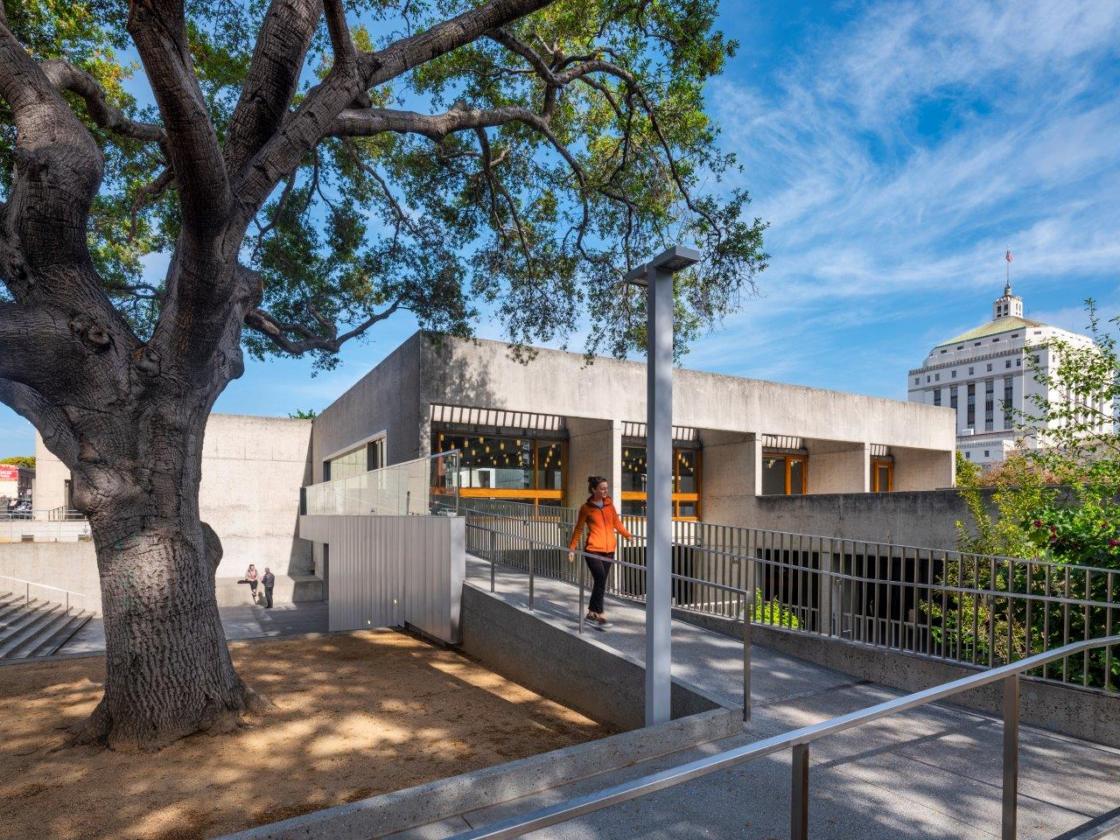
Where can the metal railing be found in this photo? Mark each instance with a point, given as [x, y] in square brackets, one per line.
[497, 539]
[52, 594]
[417, 487]
[55, 514]
[941, 604]
[798, 742]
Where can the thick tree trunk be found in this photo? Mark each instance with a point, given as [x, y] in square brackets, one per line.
[168, 668]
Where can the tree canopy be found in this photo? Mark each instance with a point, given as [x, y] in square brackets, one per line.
[522, 173]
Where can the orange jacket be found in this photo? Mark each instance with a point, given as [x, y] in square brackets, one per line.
[601, 523]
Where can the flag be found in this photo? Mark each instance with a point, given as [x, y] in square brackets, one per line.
[1008, 256]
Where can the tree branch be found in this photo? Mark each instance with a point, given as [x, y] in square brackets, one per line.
[312, 121]
[50, 421]
[158, 28]
[66, 76]
[282, 44]
[277, 331]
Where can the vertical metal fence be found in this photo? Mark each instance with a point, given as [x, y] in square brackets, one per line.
[968, 608]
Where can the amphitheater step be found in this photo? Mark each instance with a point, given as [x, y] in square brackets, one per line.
[63, 630]
[27, 627]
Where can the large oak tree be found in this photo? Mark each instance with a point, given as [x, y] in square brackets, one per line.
[312, 167]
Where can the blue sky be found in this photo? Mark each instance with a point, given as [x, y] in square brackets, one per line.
[896, 149]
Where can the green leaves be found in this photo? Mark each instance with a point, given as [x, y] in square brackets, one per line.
[533, 219]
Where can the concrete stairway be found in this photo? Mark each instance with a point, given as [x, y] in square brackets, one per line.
[35, 627]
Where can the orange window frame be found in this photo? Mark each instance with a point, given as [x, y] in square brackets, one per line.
[678, 498]
[529, 495]
[787, 458]
[876, 464]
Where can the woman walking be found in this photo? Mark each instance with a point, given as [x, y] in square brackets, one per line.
[601, 518]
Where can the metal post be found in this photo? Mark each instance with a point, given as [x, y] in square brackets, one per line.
[799, 794]
[747, 615]
[1010, 757]
[582, 570]
[530, 569]
[659, 523]
[657, 277]
[493, 560]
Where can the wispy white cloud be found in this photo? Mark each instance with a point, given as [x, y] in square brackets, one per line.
[899, 154]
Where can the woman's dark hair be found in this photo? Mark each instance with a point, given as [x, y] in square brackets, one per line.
[594, 481]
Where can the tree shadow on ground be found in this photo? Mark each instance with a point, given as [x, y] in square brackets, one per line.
[355, 715]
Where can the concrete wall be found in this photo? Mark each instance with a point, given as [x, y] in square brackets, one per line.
[481, 373]
[71, 566]
[594, 448]
[839, 467]
[385, 400]
[925, 519]
[252, 469]
[577, 671]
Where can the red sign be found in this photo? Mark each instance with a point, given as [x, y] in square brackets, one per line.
[9, 472]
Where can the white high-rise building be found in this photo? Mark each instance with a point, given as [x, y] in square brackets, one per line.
[985, 376]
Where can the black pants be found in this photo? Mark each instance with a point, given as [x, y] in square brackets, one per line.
[599, 566]
[253, 590]
[268, 597]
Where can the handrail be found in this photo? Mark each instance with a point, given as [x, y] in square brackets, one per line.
[799, 740]
[27, 584]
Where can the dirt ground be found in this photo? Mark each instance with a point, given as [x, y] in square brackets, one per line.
[355, 715]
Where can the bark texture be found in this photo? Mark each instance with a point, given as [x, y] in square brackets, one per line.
[127, 414]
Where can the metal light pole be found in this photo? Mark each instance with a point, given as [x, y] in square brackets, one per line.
[657, 277]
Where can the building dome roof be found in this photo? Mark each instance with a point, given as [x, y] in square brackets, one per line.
[994, 327]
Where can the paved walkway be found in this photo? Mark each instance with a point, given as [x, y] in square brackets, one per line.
[243, 622]
[931, 773]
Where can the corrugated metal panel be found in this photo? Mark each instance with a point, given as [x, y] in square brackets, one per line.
[389, 570]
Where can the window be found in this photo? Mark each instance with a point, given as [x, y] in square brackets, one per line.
[968, 455]
[1007, 364]
[1014, 335]
[953, 375]
[953, 398]
[937, 377]
[937, 396]
[1008, 401]
[944, 351]
[987, 453]
[927, 378]
[994, 340]
[501, 466]
[882, 475]
[971, 410]
[989, 367]
[960, 346]
[784, 474]
[1018, 363]
[989, 404]
[686, 481]
[358, 461]
[976, 344]
[917, 380]
[970, 371]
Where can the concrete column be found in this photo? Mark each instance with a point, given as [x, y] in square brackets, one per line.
[731, 477]
[594, 448]
[839, 466]
[923, 469]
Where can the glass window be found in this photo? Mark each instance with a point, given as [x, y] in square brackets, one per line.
[937, 396]
[989, 404]
[354, 462]
[784, 475]
[498, 466]
[686, 481]
[1008, 402]
[953, 375]
[970, 417]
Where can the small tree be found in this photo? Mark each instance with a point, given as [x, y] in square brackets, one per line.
[1059, 502]
[25, 461]
[520, 153]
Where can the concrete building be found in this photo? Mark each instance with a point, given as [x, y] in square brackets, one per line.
[534, 432]
[15, 485]
[985, 376]
[252, 470]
